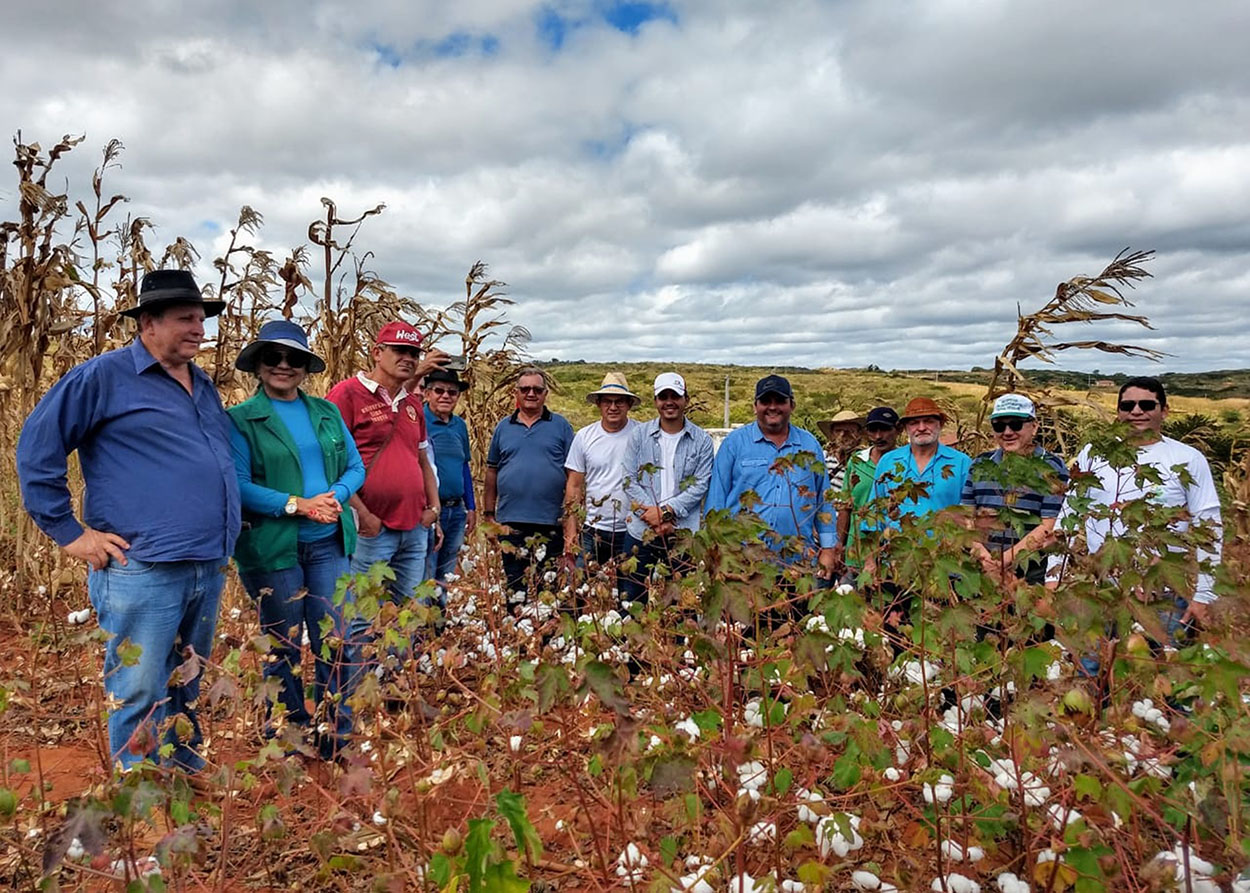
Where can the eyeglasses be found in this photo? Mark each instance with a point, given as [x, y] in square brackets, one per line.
[445, 392]
[404, 350]
[275, 356]
[1145, 405]
[1001, 425]
[531, 389]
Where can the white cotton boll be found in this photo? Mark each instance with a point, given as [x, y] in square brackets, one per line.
[654, 743]
[306, 641]
[762, 832]
[865, 880]
[806, 813]
[974, 854]
[752, 774]
[75, 850]
[514, 743]
[743, 883]
[1241, 884]
[1054, 672]
[817, 624]
[791, 887]
[549, 577]
[849, 635]
[378, 818]
[902, 752]
[1009, 883]
[631, 864]
[955, 883]
[892, 774]
[693, 883]
[689, 728]
[1061, 816]
[952, 850]
[844, 589]
[831, 839]
[940, 792]
[1046, 855]
[78, 618]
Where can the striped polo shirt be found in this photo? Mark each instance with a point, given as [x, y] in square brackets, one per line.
[1017, 493]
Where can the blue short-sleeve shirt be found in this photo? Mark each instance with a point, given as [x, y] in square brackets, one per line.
[945, 474]
[529, 462]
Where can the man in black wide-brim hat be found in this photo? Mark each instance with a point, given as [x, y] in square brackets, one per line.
[160, 514]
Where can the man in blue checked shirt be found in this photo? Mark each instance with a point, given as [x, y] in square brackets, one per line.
[160, 514]
[793, 503]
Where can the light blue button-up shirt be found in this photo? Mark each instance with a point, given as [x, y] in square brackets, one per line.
[692, 469]
[793, 503]
[945, 474]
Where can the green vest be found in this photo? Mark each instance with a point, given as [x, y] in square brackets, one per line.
[272, 544]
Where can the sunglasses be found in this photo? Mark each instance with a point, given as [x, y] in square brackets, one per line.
[1146, 405]
[1001, 425]
[531, 389]
[273, 356]
[445, 392]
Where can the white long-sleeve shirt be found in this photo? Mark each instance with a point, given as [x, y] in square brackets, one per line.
[1118, 486]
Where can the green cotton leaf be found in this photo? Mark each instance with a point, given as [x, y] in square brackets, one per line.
[672, 775]
[940, 738]
[668, 849]
[708, 721]
[782, 781]
[1087, 787]
[1085, 861]
[478, 851]
[1035, 662]
[846, 771]
[440, 870]
[550, 681]
[502, 878]
[606, 686]
[799, 838]
[129, 653]
[512, 807]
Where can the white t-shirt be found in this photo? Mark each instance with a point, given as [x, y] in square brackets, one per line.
[601, 457]
[668, 465]
[1117, 486]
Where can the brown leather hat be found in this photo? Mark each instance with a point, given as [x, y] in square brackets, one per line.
[922, 406]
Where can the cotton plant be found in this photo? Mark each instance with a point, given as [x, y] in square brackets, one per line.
[940, 791]
[832, 838]
[955, 883]
[631, 865]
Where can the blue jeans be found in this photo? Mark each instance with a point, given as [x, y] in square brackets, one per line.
[404, 551]
[1179, 635]
[297, 598]
[439, 563]
[167, 609]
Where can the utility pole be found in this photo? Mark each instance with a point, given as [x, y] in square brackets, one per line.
[726, 401]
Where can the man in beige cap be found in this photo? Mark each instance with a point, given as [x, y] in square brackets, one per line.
[843, 433]
[596, 475]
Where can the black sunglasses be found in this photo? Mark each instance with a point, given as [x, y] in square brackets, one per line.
[1146, 405]
[444, 392]
[1001, 425]
[531, 389]
[273, 356]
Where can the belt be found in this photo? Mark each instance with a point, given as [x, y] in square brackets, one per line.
[450, 503]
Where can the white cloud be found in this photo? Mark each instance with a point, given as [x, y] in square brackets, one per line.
[809, 183]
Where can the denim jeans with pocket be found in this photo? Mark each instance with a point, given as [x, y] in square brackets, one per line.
[441, 562]
[296, 599]
[404, 551]
[167, 609]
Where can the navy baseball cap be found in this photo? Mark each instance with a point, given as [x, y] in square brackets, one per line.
[881, 415]
[773, 384]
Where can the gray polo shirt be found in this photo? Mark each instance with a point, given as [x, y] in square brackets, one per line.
[530, 466]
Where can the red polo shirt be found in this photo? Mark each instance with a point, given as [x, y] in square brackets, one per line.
[394, 487]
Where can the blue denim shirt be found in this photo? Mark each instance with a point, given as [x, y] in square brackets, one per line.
[945, 487]
[156, 459]
[692, 466]
[791, 504]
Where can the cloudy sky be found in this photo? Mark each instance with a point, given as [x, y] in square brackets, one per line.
[817, 183]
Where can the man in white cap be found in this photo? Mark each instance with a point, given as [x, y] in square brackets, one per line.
[1016, 493]
[667, 468]
[596, 476]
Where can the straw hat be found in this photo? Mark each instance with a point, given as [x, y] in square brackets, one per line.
[844, 417]
[614, 386]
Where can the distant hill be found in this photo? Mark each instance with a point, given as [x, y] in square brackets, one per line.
[1216, 385]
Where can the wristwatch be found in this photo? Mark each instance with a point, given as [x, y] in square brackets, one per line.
[292, 505]
[668, 516]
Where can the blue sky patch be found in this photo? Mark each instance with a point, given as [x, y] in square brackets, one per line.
[629, 17]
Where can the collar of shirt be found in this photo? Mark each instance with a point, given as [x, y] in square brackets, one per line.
[375, 388]
[943, 452]
[653, 428]
[865, 454]
[145, 361]
[791, 438]
[432, 417]
[515, 418]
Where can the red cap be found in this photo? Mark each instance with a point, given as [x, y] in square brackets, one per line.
[399, 334]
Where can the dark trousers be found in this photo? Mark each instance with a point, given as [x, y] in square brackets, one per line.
[535, 547]
[665, 550]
